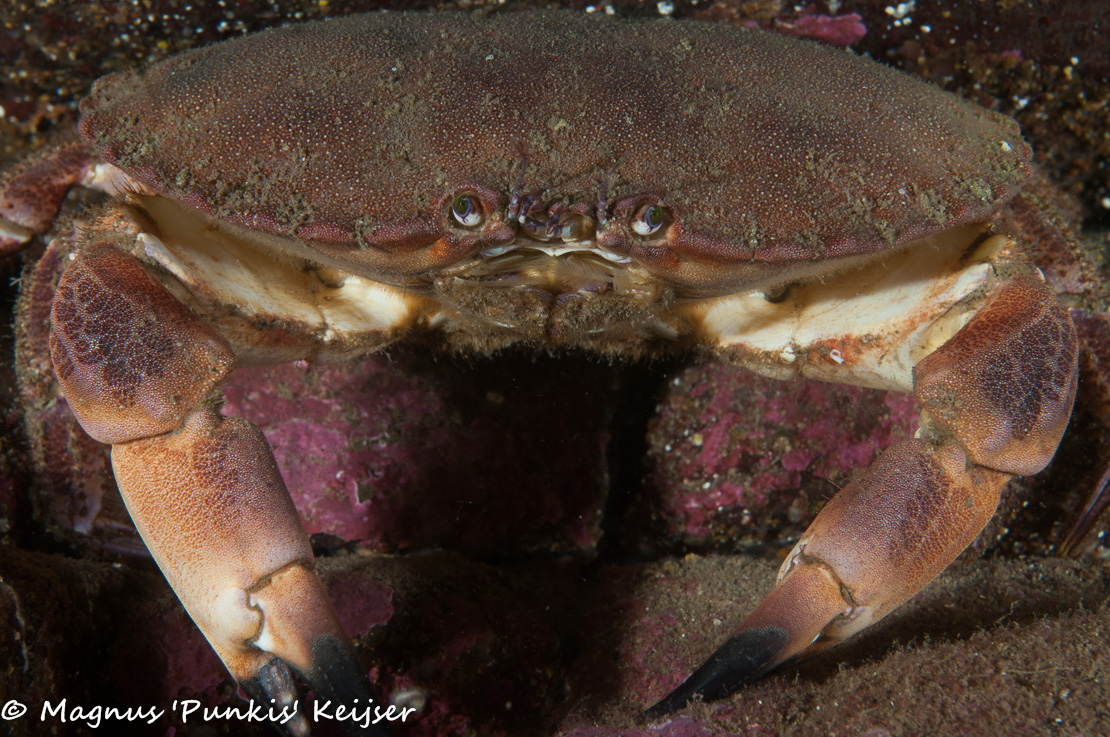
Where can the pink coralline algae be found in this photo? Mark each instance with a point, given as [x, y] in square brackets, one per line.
[737, 459]
[835, 30]
[398, 457]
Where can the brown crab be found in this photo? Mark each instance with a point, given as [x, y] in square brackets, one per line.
[320, 191]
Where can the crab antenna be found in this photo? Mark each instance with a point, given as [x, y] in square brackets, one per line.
[602, 218]
[514, 201]
[526, 204]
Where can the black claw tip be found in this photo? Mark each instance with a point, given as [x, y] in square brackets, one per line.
[273, 683]
[745, 658]
[338, 677]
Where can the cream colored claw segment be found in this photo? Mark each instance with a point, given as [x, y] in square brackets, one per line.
[869, 322]
[220, 265]
[211, 505]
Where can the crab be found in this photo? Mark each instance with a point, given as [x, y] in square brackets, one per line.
[322, 191]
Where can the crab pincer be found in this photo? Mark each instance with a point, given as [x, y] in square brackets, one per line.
[142, 373]
[997, 397]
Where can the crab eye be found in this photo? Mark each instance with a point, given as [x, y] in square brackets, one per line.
[466, 210]
[649, 219]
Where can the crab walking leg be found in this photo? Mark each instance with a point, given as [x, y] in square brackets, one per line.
[139, 371]
[996, 400]
[31, 195]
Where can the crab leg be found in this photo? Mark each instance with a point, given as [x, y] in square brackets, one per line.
[142, 372]
[996, 399]
[31, 195]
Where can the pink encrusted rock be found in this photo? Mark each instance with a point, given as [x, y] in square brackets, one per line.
[835, 30]
[503, 454]
[482, 648]
[736, 459]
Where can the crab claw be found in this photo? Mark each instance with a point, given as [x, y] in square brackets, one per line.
[141, 372]
[875, 544]
[209, 501]
[996, 400]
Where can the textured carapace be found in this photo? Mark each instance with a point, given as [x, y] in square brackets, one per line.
[358, 134]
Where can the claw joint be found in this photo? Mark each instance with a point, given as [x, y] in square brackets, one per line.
[799, 556]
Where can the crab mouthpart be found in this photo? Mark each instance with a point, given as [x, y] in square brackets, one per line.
[559, 270]
[556, 250]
